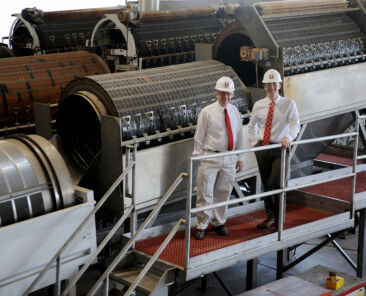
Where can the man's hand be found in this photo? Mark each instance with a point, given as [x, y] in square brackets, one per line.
[239, 166]
[285, 142]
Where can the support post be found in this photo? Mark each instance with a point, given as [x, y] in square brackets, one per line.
[279, 271]
[361, 248]
[252, 269]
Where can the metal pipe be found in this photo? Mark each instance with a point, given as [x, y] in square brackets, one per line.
[343, 253]
[354, 167]
[267, 193]
[267, 147]
[179, 13]
[188, 214]
[281, 213]
[134, 212]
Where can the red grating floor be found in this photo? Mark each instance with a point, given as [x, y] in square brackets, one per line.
[241, 229]
[340, 189]
[334, 158]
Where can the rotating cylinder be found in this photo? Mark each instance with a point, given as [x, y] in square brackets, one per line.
[147, 102]
[158, 38]
[34, 179]
[54, 31]
[24, 80]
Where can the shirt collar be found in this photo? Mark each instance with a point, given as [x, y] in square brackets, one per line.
[276, 101]
[220, 107]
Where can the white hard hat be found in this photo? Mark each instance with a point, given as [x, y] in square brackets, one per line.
[225, 84]
[271, 76]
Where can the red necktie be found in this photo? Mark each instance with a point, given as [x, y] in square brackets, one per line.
[229, 131]
[267, 130]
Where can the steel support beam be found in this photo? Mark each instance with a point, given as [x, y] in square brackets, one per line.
[361, 248]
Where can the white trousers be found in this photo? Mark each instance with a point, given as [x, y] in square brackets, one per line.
[214, 184]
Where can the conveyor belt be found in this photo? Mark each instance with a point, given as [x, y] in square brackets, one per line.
[241, 229]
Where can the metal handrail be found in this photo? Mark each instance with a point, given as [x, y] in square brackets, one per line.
[134, 237]
[84, 223]
[76, 277]
[283, 188]
[155, 257]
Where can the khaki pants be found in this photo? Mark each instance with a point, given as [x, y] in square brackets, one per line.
[214, 184]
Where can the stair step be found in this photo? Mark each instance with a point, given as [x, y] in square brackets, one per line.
[128, 275]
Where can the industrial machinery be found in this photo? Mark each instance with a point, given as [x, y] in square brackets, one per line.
[25, 80]
[125, 39]
[158, 109]
[318, 47]
[39, 209]
[5, 52]
[36, 32]
[321, 58]
[154, 39]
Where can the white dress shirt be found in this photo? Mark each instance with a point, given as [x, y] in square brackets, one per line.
[211, 130]
[285, 122]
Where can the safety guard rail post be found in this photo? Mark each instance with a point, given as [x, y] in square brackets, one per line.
[84, 223]
[284, 188]
[358, 122]
[135, 236]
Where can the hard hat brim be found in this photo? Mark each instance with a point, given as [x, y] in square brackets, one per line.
[225, 90]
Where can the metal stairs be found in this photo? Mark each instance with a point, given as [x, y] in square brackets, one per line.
[155, 283]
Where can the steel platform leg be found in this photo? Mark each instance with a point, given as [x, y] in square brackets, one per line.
[204, 284]
[252, 268]
[361, 248]
[279, 272]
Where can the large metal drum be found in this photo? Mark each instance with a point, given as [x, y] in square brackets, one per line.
[147, 101]
[24, 80]
[34, 179]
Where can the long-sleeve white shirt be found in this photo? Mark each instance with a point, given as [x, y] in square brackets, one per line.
[285, 122]
[211, 130]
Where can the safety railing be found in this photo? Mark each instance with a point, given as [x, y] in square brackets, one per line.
[57, 257]
[134, 236]
[284, 188]
[152, 260]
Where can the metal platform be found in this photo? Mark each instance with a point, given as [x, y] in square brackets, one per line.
[341, 189]
[241, 229]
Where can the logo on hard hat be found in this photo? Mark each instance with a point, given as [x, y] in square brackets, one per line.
[226, 84]
[271, 76]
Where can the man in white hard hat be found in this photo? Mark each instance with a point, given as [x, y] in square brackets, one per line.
[219, 129]
[274, 119]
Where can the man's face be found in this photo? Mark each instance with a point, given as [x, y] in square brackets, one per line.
[223, 97]
[272, 89]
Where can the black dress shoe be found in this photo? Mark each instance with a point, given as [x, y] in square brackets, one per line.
[269, 222]
[199, 234]
[221, 230]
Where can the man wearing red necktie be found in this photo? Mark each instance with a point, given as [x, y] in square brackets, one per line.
[219, 129]
[274, 119]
